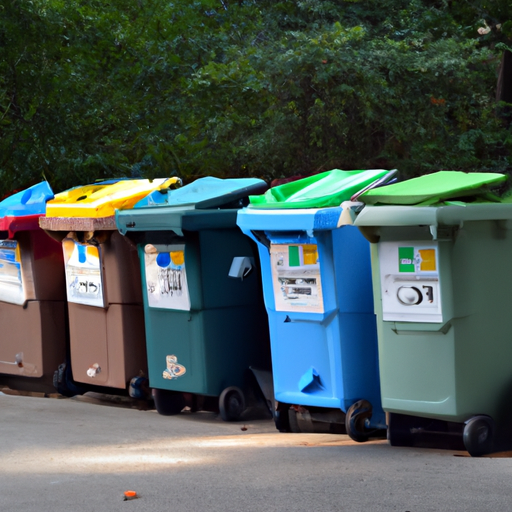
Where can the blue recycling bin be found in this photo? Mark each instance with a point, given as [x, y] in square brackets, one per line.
[318, 295]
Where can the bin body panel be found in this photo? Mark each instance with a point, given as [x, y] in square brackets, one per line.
[302, 355]
[217, 249]
[211, 345]
[215, 347]
[328, 357]
[44, 258]
[179, 336]
[121, 271]
[88, 343]
[102, 276]
[111, 339]
[458, 367]
[32, 291]
[37, 333]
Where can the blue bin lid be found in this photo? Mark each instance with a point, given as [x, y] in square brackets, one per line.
[204, 193]
[31, 201]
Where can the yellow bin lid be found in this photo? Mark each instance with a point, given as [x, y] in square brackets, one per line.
[103, 199]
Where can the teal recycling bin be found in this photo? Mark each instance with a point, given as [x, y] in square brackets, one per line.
[441, 276]
[204, 314]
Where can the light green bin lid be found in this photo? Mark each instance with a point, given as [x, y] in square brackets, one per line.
[433, 188]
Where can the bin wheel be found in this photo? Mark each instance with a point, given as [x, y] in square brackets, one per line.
[355, 420]
[292, 421]
[231, 404]
[478, 435]
[168, 403]
[399, 430]
[281, 417]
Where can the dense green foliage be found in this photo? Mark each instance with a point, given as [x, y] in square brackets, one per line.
[266, 88]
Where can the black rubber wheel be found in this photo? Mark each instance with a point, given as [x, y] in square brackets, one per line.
[281, 418]
[478, 435]
[168, 403]
[399, 430]
[355, 420]
[231, 404]
[292, 421]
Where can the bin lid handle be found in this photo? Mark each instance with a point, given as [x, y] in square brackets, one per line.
[387, 179]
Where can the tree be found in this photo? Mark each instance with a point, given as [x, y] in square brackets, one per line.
[248, 88]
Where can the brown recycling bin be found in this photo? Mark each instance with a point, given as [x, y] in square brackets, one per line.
[106, 317]
[32, 294]
[103, 285]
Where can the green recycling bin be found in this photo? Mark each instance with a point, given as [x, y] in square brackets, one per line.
[442, 281]
[205, 319]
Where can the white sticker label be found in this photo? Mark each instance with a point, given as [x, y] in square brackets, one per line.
[296, 278]
[166, 277]
[84, 282]
[11, 280]
[410, 285]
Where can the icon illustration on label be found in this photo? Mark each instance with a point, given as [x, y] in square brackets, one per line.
[413, 260]
[173, 370]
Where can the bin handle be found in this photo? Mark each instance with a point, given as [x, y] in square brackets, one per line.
[168, 183]
[383, 180]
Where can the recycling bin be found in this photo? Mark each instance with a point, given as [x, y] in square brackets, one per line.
[205, 319]
[442, 281]
[318, 295]
[104, 295]
[32, 293]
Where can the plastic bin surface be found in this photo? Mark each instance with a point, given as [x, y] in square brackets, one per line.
[318, 296]
[203, 193]
[325, 189]
[203, 328]
[441, 283]
[102, 199]
[20, 255]
[432, 188]
[204, 204]
[32, 293]
[103, 284]
[22, 210]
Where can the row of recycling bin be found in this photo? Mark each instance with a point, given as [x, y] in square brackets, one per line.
[355, 302]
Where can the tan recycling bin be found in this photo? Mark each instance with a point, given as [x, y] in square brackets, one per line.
[106, 317]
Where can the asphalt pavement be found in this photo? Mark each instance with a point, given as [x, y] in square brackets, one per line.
[72, 456]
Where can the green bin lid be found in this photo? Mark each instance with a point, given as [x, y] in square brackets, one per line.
[329, 188]
[433, 188]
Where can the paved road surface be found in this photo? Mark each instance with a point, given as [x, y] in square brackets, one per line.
[71, 456]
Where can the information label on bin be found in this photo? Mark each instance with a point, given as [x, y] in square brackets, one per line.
[84, 280]
[11, 281]
[296, 278]
[410, 284]
[166, 277]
